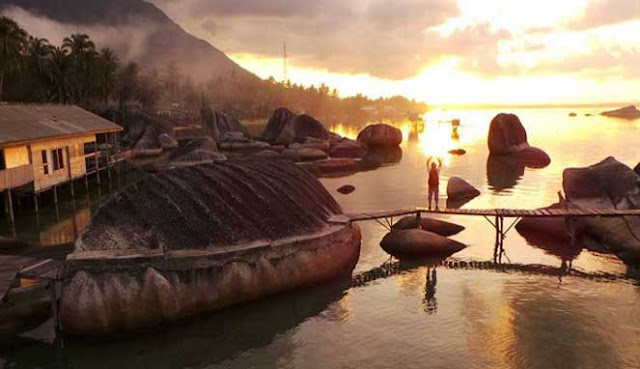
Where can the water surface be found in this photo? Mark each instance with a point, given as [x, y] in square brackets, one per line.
[420, 315]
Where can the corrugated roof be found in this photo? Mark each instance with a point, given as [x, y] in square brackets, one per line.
[25, 122]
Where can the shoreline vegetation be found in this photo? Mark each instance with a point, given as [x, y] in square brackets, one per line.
[80, 72]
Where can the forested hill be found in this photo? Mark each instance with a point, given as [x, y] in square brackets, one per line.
[135, 29]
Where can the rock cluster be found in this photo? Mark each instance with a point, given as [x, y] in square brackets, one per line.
[628, 112]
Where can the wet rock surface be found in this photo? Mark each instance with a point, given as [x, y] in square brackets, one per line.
[285, 128]
[458, 189]
[346, 189]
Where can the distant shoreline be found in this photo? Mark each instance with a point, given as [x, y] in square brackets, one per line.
[533, 106]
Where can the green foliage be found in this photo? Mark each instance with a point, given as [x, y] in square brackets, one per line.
[33, 70]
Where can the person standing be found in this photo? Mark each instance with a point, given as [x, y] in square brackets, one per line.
[434, 180]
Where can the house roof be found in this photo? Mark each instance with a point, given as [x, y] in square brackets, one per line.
[30, 122]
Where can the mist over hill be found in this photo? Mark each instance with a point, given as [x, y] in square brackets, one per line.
[135, 29]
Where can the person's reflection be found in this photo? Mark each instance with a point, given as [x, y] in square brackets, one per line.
[430, 302]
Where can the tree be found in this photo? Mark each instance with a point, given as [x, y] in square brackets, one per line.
[39, 56]
[128, 83]
[107, 69]
[60, 77]
[82, 52]
[12, 43]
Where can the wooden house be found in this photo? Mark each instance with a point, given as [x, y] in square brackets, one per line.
[45, 145]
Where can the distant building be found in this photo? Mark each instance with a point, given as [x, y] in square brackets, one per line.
[46, 145]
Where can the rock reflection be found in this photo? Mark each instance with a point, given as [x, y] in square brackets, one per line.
[503, 172]
[382, 156]
[194, 343]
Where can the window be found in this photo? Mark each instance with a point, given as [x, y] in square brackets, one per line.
[58, 162]
[45, 165]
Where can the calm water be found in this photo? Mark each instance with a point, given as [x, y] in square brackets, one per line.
[418, 315]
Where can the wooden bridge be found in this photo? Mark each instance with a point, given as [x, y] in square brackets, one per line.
[494, 216]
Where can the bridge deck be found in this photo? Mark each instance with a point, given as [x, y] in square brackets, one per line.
[503, 213]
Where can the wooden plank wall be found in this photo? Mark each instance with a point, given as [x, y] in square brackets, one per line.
[77, 160]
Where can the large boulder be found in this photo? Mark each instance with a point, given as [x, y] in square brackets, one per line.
[628, 112]
[196, 239]
[507, 136]
[276, 124]
[312, 143]
[436, 226]
[299, 128]
[285, 128]
[418, 243]
[606, 185]
[458, 188]
[606, 179]
[380, 135]
[147, 144]
[216, 124]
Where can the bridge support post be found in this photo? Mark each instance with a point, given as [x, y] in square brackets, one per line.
[419, 219]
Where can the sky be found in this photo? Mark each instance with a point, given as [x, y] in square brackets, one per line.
[443, 52]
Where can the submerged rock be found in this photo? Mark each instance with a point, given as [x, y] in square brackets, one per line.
[458, 152]
[196, 151]
[507, 136]
[628, 112]
[346, 189]
[380, 135]
[436, 226]
[216, 125]
[418, 243]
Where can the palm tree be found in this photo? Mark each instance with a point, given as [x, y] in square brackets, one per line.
[82, 52]
[12, 42]
[107, 69]
[61, 77]
[39, 55]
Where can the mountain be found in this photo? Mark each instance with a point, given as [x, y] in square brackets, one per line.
[136, 29]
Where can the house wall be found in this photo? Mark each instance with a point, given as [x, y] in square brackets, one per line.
[54, 177]
[16, 156]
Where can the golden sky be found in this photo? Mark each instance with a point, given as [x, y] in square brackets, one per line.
[437, 51]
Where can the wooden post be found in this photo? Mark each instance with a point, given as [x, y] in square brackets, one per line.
[95, 156]
[35, 201]
[10, 205]
[419, 219]
[86, 181]
[55, 195]
[73, 195]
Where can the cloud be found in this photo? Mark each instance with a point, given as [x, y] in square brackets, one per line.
[383, 38]
[605, 12]
[129, 41]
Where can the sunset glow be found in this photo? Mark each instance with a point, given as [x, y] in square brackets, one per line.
[490, 52]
